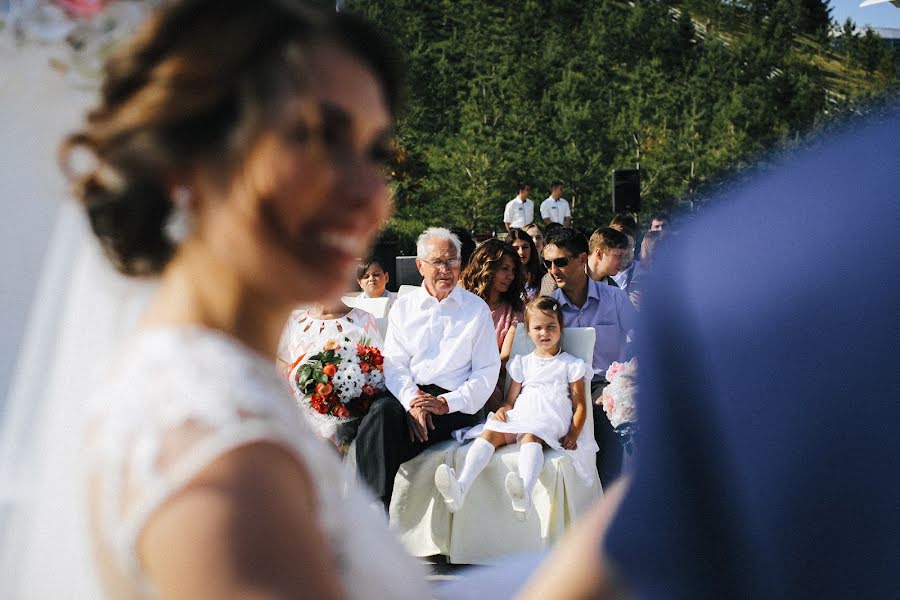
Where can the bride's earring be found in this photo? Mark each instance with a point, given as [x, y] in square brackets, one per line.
[180, 222]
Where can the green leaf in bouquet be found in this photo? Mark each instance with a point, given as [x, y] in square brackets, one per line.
[321, 377]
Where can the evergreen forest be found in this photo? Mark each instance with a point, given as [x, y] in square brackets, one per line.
[690, 91]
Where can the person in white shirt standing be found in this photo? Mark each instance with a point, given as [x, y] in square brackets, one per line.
[555, 209]
[441, 364]
[519, 211]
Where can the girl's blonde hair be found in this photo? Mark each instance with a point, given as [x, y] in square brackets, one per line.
[546, 305]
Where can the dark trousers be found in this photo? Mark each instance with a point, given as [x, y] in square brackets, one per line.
[383, 444]
[611, 453]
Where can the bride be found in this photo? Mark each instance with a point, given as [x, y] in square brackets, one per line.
[238, 152]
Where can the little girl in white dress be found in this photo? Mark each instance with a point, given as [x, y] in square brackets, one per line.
[545, 406]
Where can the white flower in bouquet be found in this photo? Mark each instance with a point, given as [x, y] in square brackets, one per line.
[375, 379]
[351, 382]
[347, 353]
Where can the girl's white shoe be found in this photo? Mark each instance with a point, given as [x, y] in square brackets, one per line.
[449, 487]
[515, 489]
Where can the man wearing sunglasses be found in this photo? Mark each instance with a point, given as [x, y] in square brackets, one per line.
[589, 303]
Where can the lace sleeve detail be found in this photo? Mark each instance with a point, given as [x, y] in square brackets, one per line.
[151, 476]
[147, 443]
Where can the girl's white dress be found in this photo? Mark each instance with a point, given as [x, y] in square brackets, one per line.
[180, 399]
[544, 407]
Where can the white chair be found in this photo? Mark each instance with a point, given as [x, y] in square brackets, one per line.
[485, 530]
[377, 307]
[405, 289]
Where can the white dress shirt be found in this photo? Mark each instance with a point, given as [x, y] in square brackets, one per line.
[518, 212]
[450, 344]
[555, 210]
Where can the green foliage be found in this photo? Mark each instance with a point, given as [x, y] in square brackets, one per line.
[571, 89]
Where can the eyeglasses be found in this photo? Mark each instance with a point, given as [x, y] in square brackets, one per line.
[560, 262]
[451, 264]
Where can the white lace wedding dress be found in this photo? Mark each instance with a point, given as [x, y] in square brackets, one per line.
[179, 399]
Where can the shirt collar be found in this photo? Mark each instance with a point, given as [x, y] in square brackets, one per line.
[454, 296]
[591, 293]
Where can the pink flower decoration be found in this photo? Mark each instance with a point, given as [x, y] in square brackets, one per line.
[84, 9]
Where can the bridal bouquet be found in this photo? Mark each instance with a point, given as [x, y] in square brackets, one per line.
[339, 382]
[619, 399]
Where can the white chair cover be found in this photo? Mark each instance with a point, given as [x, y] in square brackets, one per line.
[485, 530]
[377, 307]
[406, 289]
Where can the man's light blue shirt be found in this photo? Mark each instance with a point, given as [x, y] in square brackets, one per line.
[624, 278]
[609, 311]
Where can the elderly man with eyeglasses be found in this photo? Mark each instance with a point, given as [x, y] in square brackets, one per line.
[606, 308]
[441, 364]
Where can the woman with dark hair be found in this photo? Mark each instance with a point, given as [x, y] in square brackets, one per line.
[532, 269]
[494, 274]
[237, 152]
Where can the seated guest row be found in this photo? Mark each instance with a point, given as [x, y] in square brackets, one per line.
[445, 345]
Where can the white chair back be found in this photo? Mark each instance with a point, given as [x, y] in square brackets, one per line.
[405, 289]
[377, 307]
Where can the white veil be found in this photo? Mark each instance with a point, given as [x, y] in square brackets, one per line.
[80, 312]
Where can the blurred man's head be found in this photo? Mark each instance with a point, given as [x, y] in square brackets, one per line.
[659, 221]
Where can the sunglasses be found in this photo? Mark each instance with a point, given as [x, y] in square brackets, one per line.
[560, 263]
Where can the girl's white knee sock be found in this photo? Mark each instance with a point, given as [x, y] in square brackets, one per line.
[478, 457]
[531, 461]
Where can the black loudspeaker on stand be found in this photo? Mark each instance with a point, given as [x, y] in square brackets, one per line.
[626, 190]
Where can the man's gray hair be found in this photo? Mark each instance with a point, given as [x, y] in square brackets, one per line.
[433, 234]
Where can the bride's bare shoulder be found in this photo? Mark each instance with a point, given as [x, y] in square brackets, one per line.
[246, 524]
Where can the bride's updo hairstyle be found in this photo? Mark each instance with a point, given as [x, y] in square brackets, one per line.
[196, 86]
